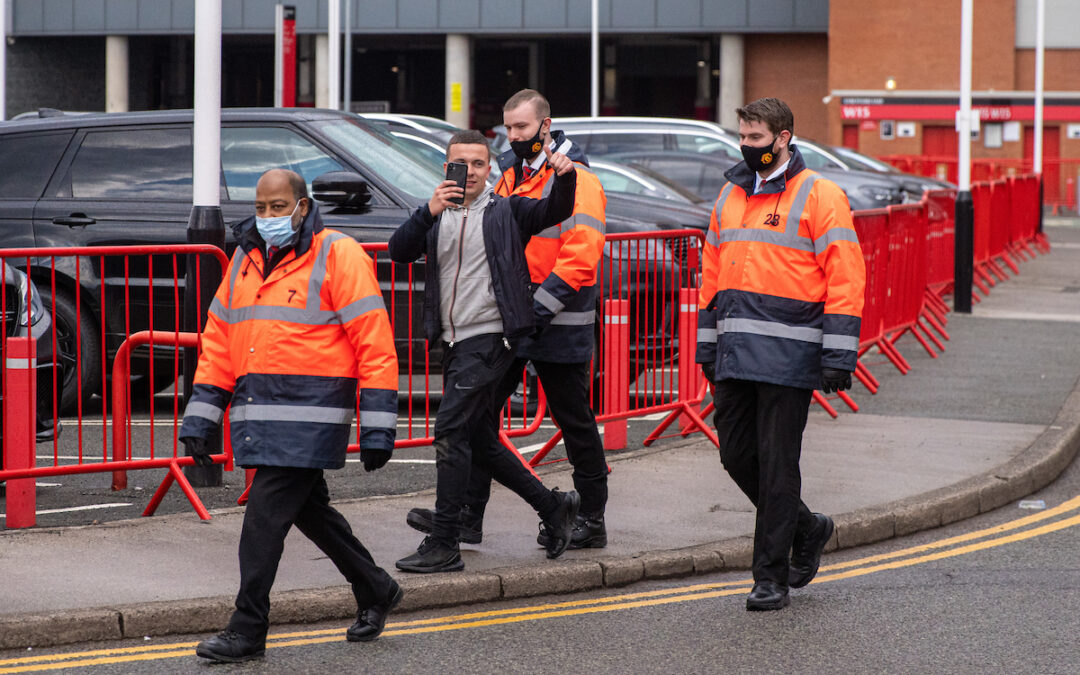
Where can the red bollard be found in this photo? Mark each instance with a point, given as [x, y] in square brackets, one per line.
[20, 399]
[690, 375]
[616, 370]
[1070, 193]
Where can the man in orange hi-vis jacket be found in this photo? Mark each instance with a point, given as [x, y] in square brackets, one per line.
[781, 296]
[296, 327]
[563, 262]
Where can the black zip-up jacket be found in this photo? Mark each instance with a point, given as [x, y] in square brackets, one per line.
[509, 223]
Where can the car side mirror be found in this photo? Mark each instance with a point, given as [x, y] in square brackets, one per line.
[343, 188]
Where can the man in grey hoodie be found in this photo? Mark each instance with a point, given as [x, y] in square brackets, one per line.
[478, 304]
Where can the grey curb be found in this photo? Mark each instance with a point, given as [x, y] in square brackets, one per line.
[1032, 469]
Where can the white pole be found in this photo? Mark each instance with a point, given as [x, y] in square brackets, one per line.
[964, 123]
[1040, 48]
[348, 55]
[207, 133]
[594, 107]
[334, 56]
[279, 51]
[3, 59]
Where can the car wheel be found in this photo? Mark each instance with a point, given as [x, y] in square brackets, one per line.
[71, 325]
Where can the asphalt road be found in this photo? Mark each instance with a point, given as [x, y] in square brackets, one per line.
[997, 593]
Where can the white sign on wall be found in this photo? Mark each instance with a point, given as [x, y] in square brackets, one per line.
[1072, 131]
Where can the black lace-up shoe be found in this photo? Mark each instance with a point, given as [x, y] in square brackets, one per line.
[558, 528]
[432, 556]
[472, 524]
[806, 551]
[767, 595]
[589, 532]
[231, 647]
[371, 621]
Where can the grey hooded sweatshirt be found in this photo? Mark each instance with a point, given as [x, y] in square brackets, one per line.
[467, 302]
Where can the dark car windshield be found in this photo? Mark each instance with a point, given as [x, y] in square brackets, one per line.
[393, 159]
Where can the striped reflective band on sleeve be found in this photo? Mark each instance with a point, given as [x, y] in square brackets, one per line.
[832, 341]
[770, 329]
[835, 234]
[548, 300]
[574, 318]
[553, 232]
[204, 410]
[360, 307]
[370, 419]
[706, 335]
[582, 219]
[291, 413]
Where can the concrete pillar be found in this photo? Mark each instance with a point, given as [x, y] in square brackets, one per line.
[611, 77]
[732, 79]
[703, 100]
[534, 65]
[322, 70]
[458, 80]
[116, 73]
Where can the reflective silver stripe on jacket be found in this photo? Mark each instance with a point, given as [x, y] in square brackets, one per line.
[318, 269]
[798, 205]
[574, 318]
[834, 341]
[308, 317]
[370, 419]
[548, 300]
[706, 335]
[582, 219]
[770, 329]
[835, 234]
[205, 411]
[291, 413]
[360, 307]
[767, 237]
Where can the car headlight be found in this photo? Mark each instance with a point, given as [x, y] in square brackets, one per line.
[879, 194]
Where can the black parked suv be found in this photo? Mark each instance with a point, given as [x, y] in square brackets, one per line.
[125, 179]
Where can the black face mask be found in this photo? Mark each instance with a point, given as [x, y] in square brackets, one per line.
[759, 159]
[529, 148]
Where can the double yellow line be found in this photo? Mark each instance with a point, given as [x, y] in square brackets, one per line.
[991, 537]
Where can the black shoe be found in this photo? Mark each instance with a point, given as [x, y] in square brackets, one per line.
[806, 551]
[558, 529]
[472, 524]
[589, 532]
[767, 595]
[432, 556]
[371, 621]
[231, 647]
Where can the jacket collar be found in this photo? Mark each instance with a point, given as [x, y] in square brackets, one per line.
[509, 160]
[741, 175]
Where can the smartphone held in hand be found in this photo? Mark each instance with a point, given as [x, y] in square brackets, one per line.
[457, 172]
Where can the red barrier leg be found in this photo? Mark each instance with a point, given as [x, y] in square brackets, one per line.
[867, 379]
[543, 452]
[933, 338]
[850, 402]
[1008, 261]
[176, 475]
[20, 399]
[894, 356]
[820, 400]
[933, 321]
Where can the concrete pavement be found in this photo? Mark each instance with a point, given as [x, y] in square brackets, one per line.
[996, 417]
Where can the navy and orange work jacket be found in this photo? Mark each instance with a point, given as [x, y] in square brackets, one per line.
[288, 344]
[782, 279]
[563, 259]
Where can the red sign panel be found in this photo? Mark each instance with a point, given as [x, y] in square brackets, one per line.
[288, 58]
[934, 111]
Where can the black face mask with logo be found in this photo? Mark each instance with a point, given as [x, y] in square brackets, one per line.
[759, 159]
[530, 148]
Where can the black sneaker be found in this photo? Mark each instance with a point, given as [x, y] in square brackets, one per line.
[371, 621]
[589, 532]
[558, 528]
[432, 556]
[231, 647]
[806, 551]
[472, 524]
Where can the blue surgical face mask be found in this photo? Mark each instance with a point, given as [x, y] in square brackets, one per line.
[277, 231]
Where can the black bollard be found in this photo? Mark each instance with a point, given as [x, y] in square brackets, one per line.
[964, 267]
[205, 226]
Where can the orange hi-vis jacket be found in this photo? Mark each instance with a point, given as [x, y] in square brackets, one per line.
[783, 279]
[287, 344]
[563, 260]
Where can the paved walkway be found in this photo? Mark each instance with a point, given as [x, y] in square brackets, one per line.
[994, 418]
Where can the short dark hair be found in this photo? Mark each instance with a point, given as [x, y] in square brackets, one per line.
[299, 186]
[467, 137]
[772, 111]
[543, 108]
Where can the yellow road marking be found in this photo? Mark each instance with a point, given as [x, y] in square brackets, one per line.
[620, 602]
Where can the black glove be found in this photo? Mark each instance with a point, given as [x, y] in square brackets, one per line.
[834, 379]
[709, 369]
[196, 447]
[374, 458]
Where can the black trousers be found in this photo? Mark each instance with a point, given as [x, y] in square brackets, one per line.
[281, 497]
[567, 389]
[760, 428]
[467, 434]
